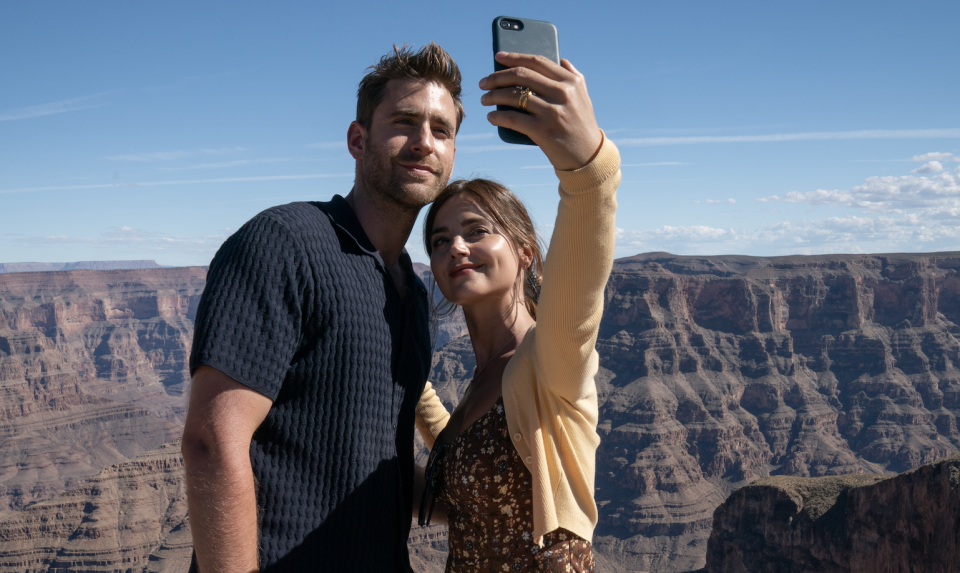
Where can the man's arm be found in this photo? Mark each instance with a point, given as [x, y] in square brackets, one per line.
[221, 418]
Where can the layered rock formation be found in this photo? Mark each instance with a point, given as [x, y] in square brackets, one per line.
[131, 516]
[718, 371]
[847, 524]
[715, 372]
[89, 265]
[92, 373]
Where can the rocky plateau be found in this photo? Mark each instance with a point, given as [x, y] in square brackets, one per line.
[715, 372]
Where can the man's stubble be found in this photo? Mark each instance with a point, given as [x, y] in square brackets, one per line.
[381, 178]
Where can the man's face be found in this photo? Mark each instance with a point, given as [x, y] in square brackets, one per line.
[409, 149]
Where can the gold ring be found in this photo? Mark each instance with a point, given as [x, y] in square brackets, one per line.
[524, 97]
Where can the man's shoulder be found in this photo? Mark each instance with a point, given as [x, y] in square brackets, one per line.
[292, 216]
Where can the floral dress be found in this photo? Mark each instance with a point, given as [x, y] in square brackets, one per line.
[489, 497]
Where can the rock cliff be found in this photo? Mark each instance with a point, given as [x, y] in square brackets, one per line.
[845, 524]
[131, 516]
[715, 372]
[92, 372]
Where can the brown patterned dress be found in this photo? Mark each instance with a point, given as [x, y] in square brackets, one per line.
[489, 497]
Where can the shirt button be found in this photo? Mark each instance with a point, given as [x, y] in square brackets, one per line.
[517, 436]
[530, 460]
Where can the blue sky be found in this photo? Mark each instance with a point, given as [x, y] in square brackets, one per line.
[135, 130]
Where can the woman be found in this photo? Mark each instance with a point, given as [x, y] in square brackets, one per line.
[513, 465]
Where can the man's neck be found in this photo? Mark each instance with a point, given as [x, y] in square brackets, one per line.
[386, 224]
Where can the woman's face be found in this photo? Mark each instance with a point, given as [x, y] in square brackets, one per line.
[471, 258]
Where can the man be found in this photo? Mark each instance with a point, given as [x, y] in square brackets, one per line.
[312, 347]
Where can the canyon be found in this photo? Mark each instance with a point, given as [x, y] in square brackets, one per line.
[715, 372]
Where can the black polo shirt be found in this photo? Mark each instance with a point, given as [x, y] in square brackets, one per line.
[299, 307]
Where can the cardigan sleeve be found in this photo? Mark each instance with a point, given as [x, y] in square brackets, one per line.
[432, 417]
[575, 274]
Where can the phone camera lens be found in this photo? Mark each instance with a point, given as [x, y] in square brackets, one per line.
[504, 24]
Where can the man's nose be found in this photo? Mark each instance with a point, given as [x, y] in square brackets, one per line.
[424, 141]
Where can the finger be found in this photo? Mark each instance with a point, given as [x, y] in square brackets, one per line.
[520, 77]
[565, 63]
[540, 64]
[514, 120]
[511, 97]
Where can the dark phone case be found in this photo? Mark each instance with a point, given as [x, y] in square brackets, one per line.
[535, 37]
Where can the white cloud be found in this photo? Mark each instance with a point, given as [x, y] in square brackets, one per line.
[168, 155]
[329, 145]
[805, 136]
[63, 106]
[181, 182]
[929, 167]
[720, 201]
[889, 214]
[934, 156]
[475, 136]
[236, 163]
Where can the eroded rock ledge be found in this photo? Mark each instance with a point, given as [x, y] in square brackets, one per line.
[842, 524]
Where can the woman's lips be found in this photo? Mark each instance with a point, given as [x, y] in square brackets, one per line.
[462, 270]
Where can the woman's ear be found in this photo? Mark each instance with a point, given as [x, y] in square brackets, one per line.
[526, 257]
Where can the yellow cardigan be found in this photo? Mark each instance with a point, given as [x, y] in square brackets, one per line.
[549, 392]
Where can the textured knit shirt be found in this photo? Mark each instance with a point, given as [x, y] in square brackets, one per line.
[549, 387]
[300, 308]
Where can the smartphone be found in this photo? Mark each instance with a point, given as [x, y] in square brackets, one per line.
[524, 36]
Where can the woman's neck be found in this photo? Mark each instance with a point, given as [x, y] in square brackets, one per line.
[493, 326]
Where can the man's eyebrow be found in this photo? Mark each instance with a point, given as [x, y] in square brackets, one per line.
[410, 112]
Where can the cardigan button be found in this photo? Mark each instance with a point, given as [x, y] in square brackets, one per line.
[517, 436]
[530, 460]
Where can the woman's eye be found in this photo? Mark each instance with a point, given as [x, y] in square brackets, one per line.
[439, 242]
[480, 231]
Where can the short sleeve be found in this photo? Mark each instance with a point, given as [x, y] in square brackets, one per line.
[249, 317]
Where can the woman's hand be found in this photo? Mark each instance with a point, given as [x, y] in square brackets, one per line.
[560, 119]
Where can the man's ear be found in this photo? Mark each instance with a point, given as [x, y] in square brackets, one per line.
[356, 139]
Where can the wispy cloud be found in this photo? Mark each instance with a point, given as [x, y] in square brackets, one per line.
[908, 213]
[236, 163]
[475, 136]
[342, 144]
[127, 239]
[805, 136]
[929, 167]
[168, 155]
[62, 106]
[717, 201]
[935, 156]
[494, 147]
[182, 182]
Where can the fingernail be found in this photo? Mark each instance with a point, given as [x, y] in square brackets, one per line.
[502, 54]
[483, 82]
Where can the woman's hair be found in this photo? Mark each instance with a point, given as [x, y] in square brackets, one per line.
[507, 211]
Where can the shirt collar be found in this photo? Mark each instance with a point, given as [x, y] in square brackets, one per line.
[341, 214]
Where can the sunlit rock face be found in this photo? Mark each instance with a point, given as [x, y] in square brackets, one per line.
[715, 372]
[93, 373]
[843, 524]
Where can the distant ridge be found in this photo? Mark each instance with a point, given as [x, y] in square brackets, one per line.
[89, 265]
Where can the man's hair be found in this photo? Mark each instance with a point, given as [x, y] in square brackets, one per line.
[431, 63]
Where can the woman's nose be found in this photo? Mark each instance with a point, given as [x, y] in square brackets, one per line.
[458, 246]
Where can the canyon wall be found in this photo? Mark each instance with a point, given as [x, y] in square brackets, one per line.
[715, 372]
[847, 524]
